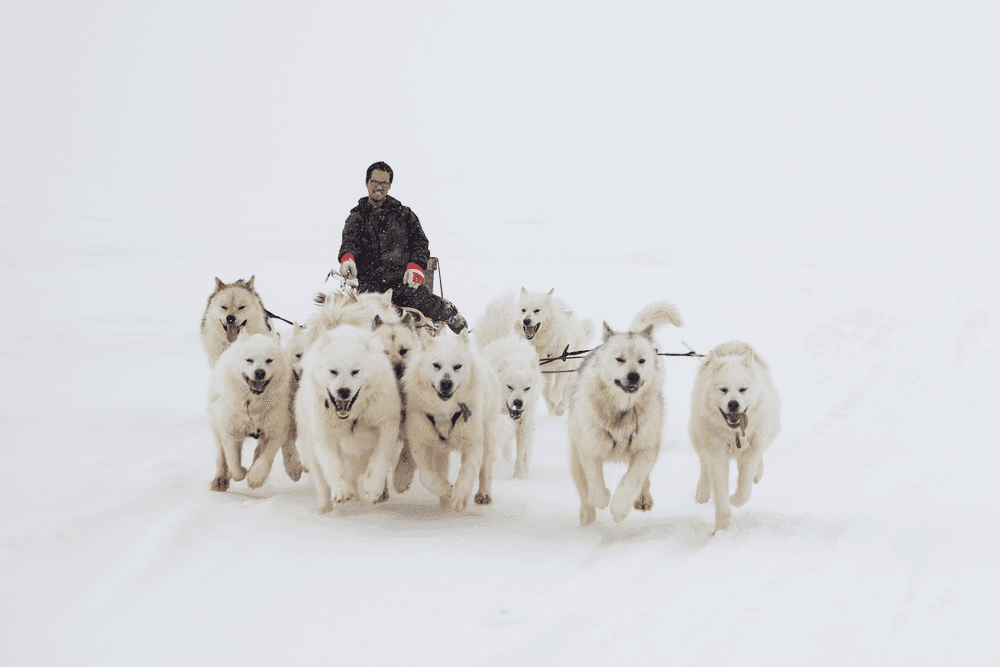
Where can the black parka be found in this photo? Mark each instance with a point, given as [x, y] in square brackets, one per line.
[384, 241]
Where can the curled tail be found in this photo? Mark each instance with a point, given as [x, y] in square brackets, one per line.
[656, 315]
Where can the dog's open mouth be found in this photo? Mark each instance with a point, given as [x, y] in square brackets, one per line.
[735, 420]
[233, 330]
[445, 395]
[514, 413]
[342, 406]
[627, 387]
[530, 331]
[256, 386]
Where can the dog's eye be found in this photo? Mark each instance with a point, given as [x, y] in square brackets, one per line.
[536, 310]
[249, 361]
[742, 389]
[298, 356]
[354, 372]
[457, 367]
[527, 389]
[510, 388]
[436, 366]
[620, 360]
[725, 390]
[225, 308]
[333, 372]
[642, 361]
[403, 351]
[242, 307]
[523, 310]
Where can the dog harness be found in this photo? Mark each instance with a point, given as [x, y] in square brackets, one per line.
[463, 412]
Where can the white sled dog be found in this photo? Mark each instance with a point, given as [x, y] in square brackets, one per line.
[232, 308]
[551, 327]
[515, 361]
[402, 342]
[452, 403]
[248, 398]
[734, 415]
[347, 410]
[616, 414]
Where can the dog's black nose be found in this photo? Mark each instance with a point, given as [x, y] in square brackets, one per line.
[526, 323]
[734, 406]
[259, 374]
[632, 378]
[230, 319]
[446, 386]
[518, 404]
[344, 393]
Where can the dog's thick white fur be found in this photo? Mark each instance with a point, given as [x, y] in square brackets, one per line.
[348, 413]
[550, 327]
[734, 416]
[616, 414]
[403, 342]
[515, 362]
[231, 308]
[452, 403]
[249, 398]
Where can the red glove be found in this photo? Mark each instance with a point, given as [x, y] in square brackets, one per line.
[414, 275]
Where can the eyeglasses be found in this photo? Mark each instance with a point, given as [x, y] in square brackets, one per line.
[378, 184]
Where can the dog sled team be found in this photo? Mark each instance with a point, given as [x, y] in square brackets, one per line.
[364, 395]
[365, 390]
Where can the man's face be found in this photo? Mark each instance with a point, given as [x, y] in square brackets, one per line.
[378, 186]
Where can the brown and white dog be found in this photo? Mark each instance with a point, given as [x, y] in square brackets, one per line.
[232, 308]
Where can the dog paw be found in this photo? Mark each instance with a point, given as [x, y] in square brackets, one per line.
[294, 472]
[257, 476]
[702, 493]
[375, 490]
[587, 515]
[644, 502]
[483, 498]
[219, 484]
[324, 507]
[459, 502]
[620, 507]
[721, 522]
[739, 499]
[343, 494]
[239, 474]
[599, 499]
[383, 497]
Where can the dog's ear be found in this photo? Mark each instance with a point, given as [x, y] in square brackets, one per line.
[607, 332]
[551, 291]
[219, 284]
[463, 337]
[647, 332]
[523, 291]
[250, 282]
[387, 297]
[406, 317]
[376, 322]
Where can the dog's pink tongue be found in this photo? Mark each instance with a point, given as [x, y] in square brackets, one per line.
[232, 331]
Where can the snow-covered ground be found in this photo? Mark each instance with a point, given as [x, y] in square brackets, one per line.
[819, 181]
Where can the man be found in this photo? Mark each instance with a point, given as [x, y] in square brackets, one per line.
[384, 247]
